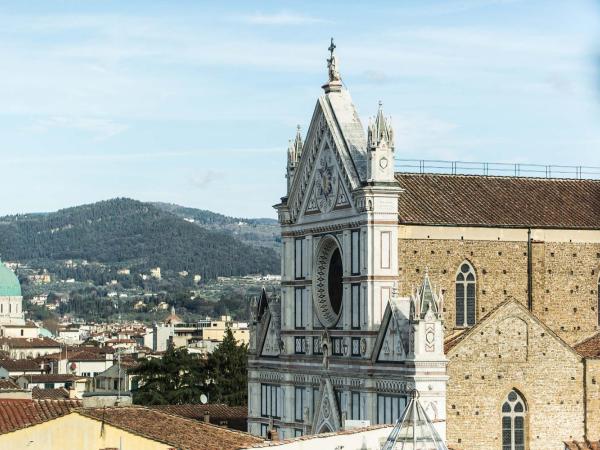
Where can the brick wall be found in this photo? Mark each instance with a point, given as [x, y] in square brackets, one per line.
[565, 278]
[511, 350]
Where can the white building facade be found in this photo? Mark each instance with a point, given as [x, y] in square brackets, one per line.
[337, 343]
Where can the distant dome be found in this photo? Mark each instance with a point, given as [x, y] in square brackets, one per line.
[9, 283]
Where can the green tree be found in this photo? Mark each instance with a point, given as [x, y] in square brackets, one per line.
[177, 378]
[227, 367]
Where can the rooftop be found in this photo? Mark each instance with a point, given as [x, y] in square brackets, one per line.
[16, 414]
[517, 202]
[173, 430]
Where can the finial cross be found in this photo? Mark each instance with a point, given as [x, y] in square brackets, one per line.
[331, 48]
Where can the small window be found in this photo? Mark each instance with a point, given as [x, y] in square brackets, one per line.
[355, 305]
[300, 345]
[337, 343]
[355, 242]
[300, 307]
[299, 258]
[465, 296]
[300, 403]
[317, 349]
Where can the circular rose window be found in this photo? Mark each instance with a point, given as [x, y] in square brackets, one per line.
[327, 282]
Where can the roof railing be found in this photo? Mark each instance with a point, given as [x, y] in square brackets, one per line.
[496, 169]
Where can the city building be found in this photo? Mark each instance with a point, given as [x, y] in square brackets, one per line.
[506, 270]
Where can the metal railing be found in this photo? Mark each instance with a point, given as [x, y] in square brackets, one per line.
[496, 169]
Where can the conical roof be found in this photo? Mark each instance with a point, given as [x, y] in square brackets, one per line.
[414, 430]
[9, 283]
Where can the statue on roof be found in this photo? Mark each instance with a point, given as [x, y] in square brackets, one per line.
[334, 74]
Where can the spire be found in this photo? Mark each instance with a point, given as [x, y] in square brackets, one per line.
[380, 130]
[294, 154]
[425, 299]
[335, 81]
[295, 148]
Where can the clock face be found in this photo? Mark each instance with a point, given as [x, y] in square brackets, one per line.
[326, 184]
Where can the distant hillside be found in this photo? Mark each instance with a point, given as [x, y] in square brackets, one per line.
[124, 230]
[263, 232]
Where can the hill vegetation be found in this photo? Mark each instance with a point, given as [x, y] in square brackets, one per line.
[125, 232]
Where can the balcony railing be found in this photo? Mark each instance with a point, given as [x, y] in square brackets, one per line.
[496, 169]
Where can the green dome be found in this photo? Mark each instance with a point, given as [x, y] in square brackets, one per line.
[9, 283]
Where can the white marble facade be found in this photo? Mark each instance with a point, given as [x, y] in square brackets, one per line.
[337, 343]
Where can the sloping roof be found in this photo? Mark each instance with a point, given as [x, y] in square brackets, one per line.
[29, 342]
[21, 413]
[171, 429]
[438, 199]
[235, 417]
[7, 384]
[51, 378]
[196, 411]
[49, 394]
[20, 365]
[582, 445]
[590, 347]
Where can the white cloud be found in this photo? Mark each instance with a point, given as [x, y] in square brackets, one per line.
[278, 19]
[100, 128]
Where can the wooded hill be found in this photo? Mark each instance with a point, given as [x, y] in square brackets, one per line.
[122, 230]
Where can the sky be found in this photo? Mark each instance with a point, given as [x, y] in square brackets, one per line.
[194, 102]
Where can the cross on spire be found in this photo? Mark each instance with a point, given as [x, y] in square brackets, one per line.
[331, 48]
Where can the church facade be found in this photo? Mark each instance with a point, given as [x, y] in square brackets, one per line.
[380, 268]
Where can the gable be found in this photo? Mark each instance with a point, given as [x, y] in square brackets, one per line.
[509, 334]
[269, 337]
[391, 344]
[327, 417]
[333, 156]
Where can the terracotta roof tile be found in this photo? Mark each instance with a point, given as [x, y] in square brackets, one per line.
[50, 394]
[20, 365]
[436, 199]
[582, 445]
[590, 347]
[171, 429]
[7, 384]
[16, 414]
[29, 342]
[51, 378]
[234, 416]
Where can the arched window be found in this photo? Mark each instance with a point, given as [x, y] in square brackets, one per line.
[465, 295]
[513, 422]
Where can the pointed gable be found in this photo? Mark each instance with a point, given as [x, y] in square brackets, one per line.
[333, 158]
[327, 417]
[392, 341]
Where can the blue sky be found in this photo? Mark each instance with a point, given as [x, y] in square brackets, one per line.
[194, 102]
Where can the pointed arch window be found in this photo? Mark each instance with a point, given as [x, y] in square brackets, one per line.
[513, 422]
[465, 295]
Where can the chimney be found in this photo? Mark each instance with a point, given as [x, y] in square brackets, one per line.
[273, 435]
[72, 391]
[206, 417]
